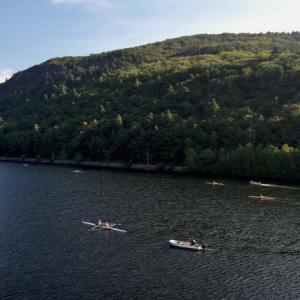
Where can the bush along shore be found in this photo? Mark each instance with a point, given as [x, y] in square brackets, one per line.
[245, 162]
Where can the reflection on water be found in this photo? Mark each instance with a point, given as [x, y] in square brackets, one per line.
[45, 251]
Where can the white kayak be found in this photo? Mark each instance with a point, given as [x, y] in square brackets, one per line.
[186, 245]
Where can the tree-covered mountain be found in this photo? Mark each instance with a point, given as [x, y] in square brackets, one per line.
[219, 104]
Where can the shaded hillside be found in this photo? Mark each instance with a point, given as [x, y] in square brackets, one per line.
[220, 104]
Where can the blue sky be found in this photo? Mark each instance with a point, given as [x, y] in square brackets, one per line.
[33, 31]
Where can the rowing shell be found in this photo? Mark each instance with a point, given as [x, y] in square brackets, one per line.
[262, 197]
[95, 227]
[214, 183]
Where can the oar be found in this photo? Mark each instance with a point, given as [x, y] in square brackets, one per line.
[95, 227]
[88, 223]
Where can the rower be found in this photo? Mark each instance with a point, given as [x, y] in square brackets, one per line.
[99, 222]
[191, 241]
[204, 246]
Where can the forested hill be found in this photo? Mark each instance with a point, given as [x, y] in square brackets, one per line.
[219, 104]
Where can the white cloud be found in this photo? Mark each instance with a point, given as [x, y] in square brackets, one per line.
[265, 15]
[114, 24]
[5, 74]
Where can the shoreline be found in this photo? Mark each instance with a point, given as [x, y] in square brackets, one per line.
[103, 165]
[143, 168]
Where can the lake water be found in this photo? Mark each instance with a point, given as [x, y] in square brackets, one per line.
[46, 253]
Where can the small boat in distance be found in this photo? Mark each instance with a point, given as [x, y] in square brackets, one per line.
[273, 185]
[261, 197]
[262, 184]
[188, 245]
[255, 183]
[214, 183]
[103, 225]
[25, 165]
[77, 171]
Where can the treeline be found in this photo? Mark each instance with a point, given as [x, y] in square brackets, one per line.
[220, 104]
[247, 161]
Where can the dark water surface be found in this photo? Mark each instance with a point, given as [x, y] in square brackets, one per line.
[46, 253]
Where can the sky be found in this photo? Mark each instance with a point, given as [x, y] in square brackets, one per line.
[33, 31]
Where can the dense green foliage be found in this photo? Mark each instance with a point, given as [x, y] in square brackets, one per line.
[220, 104]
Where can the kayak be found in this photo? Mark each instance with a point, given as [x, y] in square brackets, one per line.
[186, 245]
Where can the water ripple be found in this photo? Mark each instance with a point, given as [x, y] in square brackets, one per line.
[46, 253]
